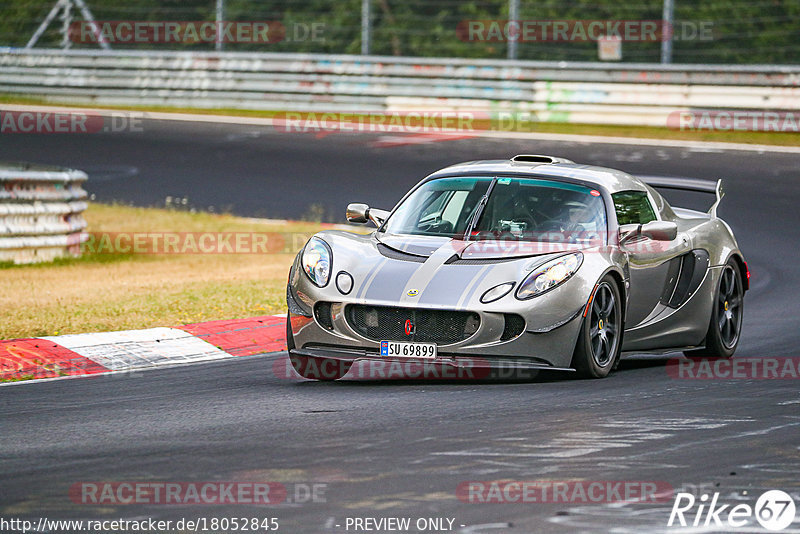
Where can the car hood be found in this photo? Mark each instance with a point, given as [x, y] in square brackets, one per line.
[429, 271]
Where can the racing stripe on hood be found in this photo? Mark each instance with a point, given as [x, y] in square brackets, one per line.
[473, 285]
[426, 271]
[390, 281]
[370, 277]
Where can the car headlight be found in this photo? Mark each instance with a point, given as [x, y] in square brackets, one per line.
[317, 259]
[549, 275]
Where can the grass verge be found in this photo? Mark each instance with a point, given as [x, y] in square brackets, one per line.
[103, 291]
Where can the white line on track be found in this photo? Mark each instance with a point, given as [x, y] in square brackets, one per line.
[533, 136]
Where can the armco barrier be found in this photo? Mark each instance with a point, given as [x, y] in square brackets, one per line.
[40, 212]
[602, 93]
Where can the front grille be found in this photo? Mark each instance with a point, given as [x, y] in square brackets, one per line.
[442, 327]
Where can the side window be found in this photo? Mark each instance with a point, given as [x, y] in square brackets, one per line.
[633, 207]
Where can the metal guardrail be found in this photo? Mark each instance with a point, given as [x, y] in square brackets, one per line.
[41, 211]
[624, 93]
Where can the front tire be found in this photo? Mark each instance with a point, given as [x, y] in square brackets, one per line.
[600, 338]
[727, 312]
[324, 369]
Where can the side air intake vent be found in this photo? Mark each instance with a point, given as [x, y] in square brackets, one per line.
[535, 158]
[323, 313]
[514, 325]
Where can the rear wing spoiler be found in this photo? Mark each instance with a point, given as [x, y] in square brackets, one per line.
[688, 184]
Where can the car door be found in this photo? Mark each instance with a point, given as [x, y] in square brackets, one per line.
[652, 272]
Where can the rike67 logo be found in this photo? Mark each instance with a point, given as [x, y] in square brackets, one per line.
[774, 510]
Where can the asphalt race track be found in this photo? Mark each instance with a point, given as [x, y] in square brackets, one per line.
[393, 448]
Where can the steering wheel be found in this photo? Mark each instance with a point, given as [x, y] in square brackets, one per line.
[571, 233]
[443, 227]
[436, 225]
[551, 225]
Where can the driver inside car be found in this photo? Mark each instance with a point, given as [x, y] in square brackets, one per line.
[579, 222]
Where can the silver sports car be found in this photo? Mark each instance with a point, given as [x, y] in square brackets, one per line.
[531, 263]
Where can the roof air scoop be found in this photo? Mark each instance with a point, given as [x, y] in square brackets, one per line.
[536, 158]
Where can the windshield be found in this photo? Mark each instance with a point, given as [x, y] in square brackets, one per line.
[440, 207]
[524, 209]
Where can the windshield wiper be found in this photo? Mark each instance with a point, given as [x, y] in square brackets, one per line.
[476, 217]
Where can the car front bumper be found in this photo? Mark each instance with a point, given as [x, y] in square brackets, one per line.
[550, 349]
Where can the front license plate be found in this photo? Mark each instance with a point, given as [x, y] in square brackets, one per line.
[397, 349]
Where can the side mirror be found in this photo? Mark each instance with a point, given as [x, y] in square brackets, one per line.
[655, 230]
[660, 230]
[361, 213]
[357, 213]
